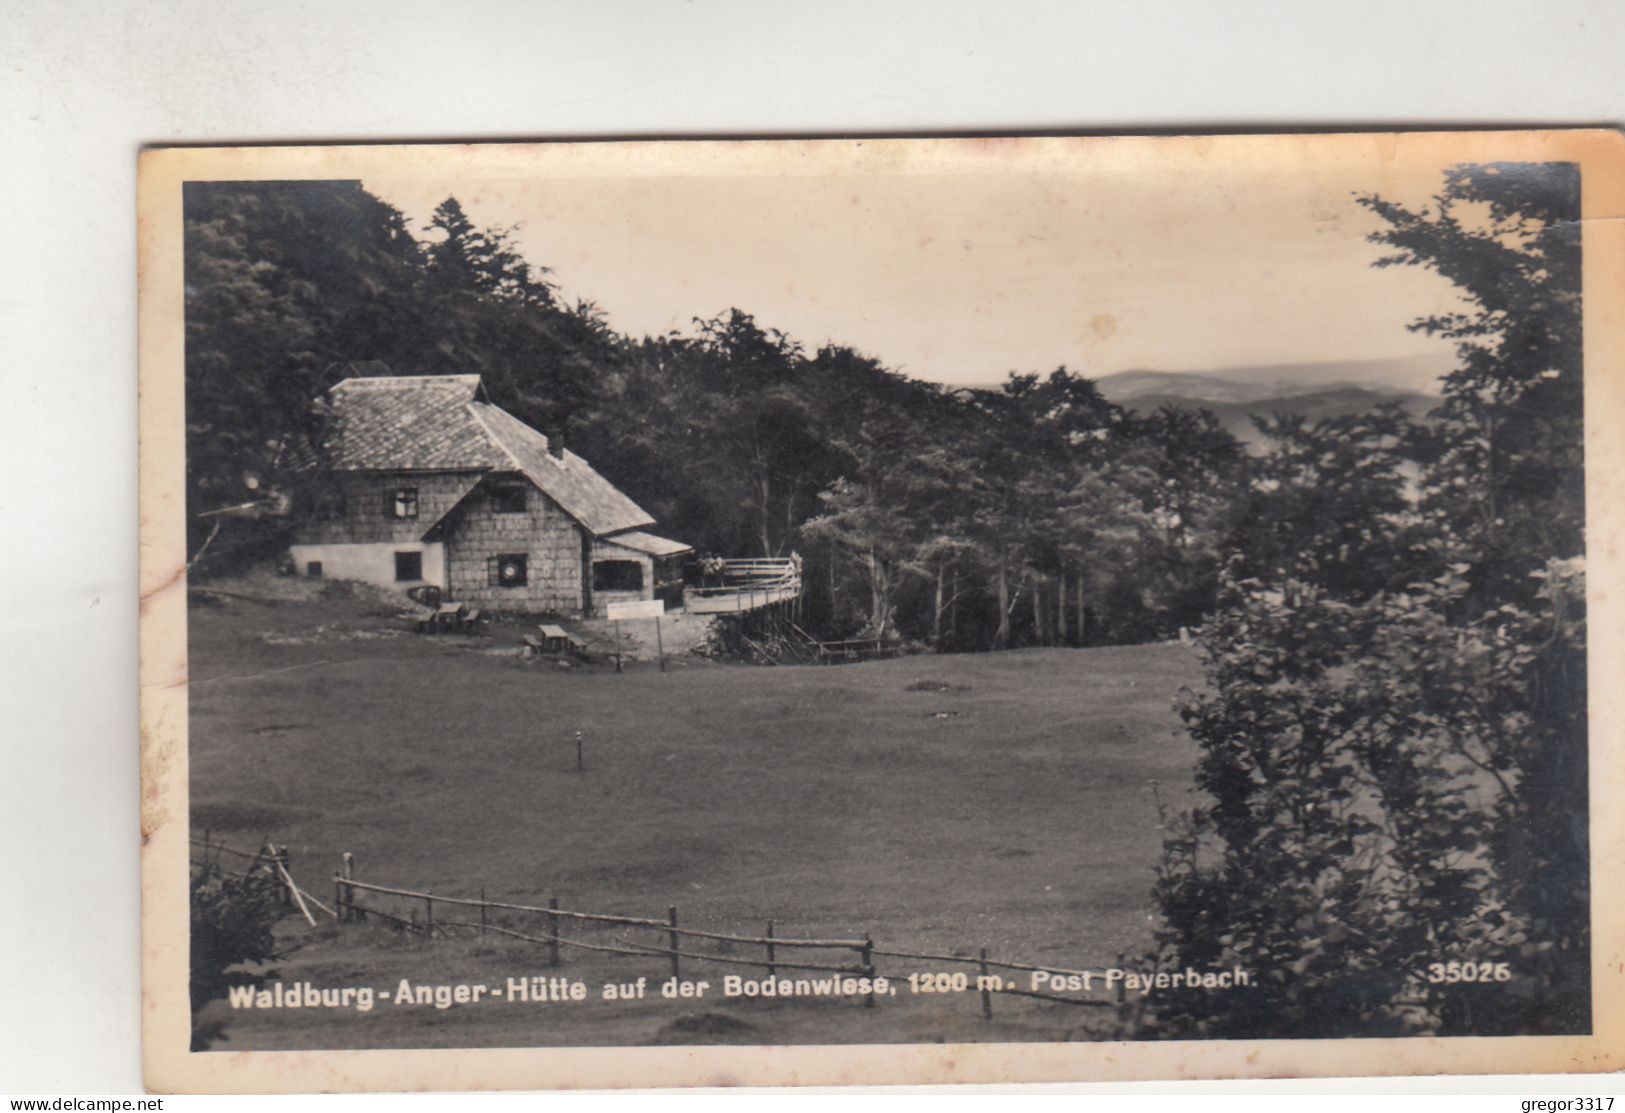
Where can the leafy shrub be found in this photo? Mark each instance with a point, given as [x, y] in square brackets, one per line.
[233, 922]
[1389, 789]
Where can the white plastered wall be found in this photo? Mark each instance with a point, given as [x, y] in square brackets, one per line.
[373, 562]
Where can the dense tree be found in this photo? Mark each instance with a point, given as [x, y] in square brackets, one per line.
[869, 514]
[1327, 503]
[1111, 522]
[1393, 766]
[287, 284]
[1505, 454]
[463, 258]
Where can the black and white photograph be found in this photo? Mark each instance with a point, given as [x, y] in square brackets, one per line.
[1118, 593]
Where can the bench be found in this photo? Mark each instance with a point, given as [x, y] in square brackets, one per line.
[450, 618]
[556, 640]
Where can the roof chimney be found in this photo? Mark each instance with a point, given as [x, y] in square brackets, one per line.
[555, 444]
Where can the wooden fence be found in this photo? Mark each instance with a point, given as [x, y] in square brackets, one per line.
[269, 861]
[747, 585]
[854, 957]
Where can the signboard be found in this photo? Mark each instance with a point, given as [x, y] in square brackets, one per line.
[642, 608]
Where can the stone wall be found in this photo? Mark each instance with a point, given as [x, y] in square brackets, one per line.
[549, 539]
[357, 507]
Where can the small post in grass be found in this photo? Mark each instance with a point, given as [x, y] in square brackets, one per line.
[552, 931]
[581, 764]
[987, 997]
[676, 968]
[660, 645]
[772, 971]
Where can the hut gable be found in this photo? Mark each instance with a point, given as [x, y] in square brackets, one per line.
[566, 478]
[514, 548]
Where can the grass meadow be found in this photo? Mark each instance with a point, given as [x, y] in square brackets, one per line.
[940, 803]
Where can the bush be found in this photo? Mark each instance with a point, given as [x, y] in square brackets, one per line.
[1390, 786]
[233, 922]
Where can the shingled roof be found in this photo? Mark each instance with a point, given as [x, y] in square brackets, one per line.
[408, 424]
[437, 423]
[641, 542]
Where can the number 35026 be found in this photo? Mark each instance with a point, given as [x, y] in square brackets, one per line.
[1446, 973]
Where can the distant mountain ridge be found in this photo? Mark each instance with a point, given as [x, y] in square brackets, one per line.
[1331, 388]
[1237, 417]
[1418, 374]
[1127, 387]
[1235, 395]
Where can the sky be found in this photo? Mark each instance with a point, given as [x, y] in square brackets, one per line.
[965, 268]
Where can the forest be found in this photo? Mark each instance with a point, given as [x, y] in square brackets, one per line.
[1390, 611]
[1034, 514]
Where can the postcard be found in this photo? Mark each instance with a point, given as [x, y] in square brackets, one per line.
[797, 612]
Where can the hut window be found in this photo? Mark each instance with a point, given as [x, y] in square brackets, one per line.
[330, 506]
[508, 570]
[617, 575]
[409, 566]
[313, 568]
[509, 499]
[403, 503]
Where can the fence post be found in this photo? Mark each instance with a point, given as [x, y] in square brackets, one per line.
[676, 966]
[428, 915]
[349, 890]
[772, 971]
[869, 969]
[552, 931]
[482, 910]
[338, 895]
[987, 997]
[279, 858]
